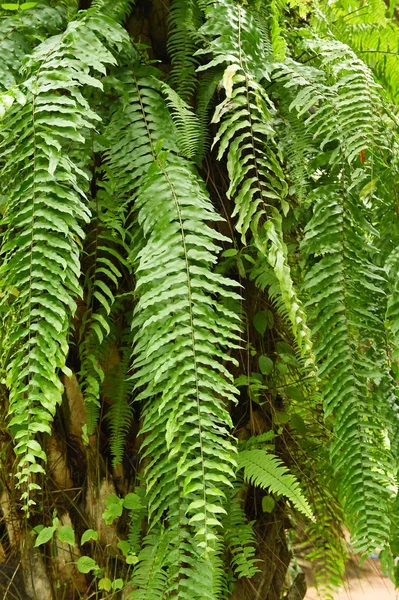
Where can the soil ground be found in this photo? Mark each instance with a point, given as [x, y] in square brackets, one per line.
[367, 584]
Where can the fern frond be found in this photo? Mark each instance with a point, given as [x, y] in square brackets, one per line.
[136, 522]
[184, 21]
[341, 283]
[180, 330]
[43, 217]
[298, 149]
[189, 349]
[20, 32]
[150, 573]
[127, 118]
[268, 472]
[120, 413]
[324, 538]
[373, 35]
[239, 536]
[118, 10]
[246, 133]
[343, 97]
[105, 249]
[207, 85]
[188, 126]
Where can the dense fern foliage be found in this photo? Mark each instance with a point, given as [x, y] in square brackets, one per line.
[198, 294]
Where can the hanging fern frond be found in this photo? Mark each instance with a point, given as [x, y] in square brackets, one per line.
[45, 210]
[118, 10]
[180, 330]
[137, 516]
[188, 126]
[341, 284]
[298, 148]
[150, 573]
[373, 36]
[185, 18]
[324, 541]
[246, 133]
[239, 536]
[20, 32]
[342, 98]
[105, 249]
[120, 413]
[192, 328]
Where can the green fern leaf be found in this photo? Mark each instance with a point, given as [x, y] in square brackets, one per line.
[246, 133]
[268, 472]
[340, 283]
[20, 32]
[180, 331]
[239, 536]
[43, 218]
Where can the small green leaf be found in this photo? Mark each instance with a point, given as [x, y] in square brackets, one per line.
[132, 502]
[265, 365]
[241, 268]
[241, 380]
[105, 584]
[298, 423]
[132, 559]
[282, 368]
[10, 6]
[114, 508]
[281, 417]
[294, 393]
[256, 378]
[283, 348]
[66, 535]
[86, 564]
[249, 258]
[44, 536]
[260, 322]
[268, 504]
[36, 530]
[89, 534]
[230, 252]
[286, 353]
[124, 546]
[27, 5]
[117, 584]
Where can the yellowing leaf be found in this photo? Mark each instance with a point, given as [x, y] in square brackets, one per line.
[228, 79]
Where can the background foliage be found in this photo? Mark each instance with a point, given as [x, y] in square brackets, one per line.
[198, 296]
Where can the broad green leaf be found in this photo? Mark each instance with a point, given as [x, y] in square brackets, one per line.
[132, 501]
[66, 534]
[265, 365]
[89, 534]
[132, 559]
[124, 546]
[105, 584]
[260, 322]
[44, 536]
[229, 252]
[86, 564]
[268, 504]
[117, 584]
